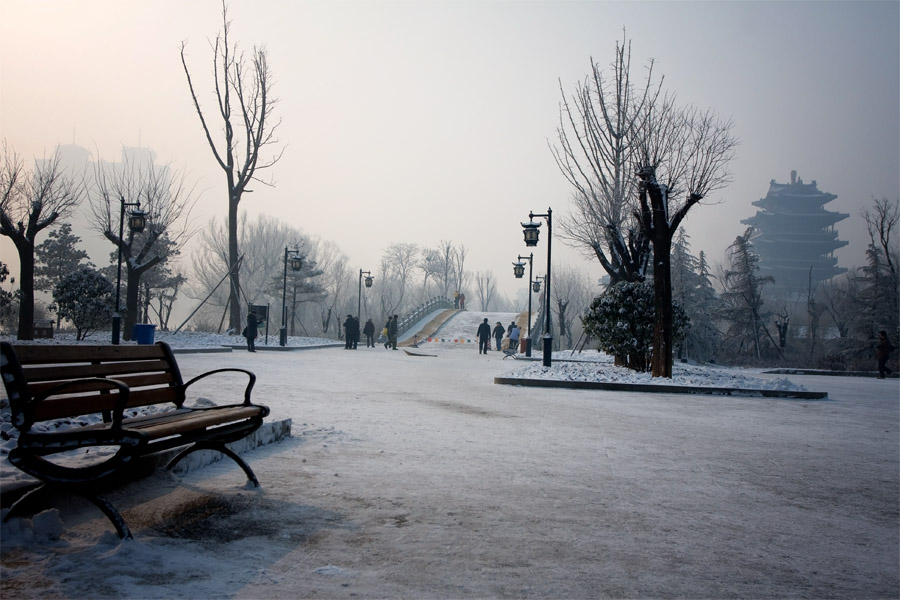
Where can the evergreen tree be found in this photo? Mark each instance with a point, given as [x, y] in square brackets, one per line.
[85, 297]
[56, 257]
[693, 290]
[7, 306]
[622, 319]
[743, 308]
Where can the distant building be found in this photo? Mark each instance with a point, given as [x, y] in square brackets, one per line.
[795, 234]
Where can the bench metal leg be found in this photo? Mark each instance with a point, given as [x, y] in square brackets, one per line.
[218, 448]
[100, 502]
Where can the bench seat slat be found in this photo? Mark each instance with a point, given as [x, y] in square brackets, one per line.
[164, 425]
[80, 405]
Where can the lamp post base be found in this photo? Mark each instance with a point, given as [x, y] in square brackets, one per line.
[528, 347]
[548, 350]
[282, 336]
[116, 327]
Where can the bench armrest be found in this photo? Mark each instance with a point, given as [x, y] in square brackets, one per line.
[247, 390]
[118, 409]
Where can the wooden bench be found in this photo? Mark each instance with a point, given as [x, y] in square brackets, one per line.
[43, 330]
[97, 385]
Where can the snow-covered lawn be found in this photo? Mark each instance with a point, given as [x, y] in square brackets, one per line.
[419, 477]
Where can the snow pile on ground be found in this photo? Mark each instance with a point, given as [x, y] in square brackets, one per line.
[599, 367]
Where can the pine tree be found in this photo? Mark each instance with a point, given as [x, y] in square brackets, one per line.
[743, 306]
[693, 290]
[56, 257]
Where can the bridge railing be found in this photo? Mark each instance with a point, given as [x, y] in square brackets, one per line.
[436, 303]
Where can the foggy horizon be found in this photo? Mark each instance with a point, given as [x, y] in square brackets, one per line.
[421, 122]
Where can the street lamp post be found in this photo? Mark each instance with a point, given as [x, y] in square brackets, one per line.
[530, 229]
[369, 280]
[519, 270]
[137, 219]
[296, 264]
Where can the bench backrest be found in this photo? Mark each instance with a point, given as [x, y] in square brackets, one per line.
[150, 371]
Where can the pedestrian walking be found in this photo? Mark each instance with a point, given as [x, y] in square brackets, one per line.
[393, 324]
[883, 350]
[498, 332]
[251, 331]
[369, 332]
[484, 337]
[462, 302]
[384, 332]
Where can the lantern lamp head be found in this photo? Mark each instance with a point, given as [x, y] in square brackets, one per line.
[536, 286]
[531, 231]
[369, 280]
[519, 269]
[296, 262]
[137, 220]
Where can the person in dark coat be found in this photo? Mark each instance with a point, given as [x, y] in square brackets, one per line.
[355, 328]
[883, 350]
[393, 324]
[499, 330]
[251, 331]
[484, 337]
[369, 331]
[348, 332]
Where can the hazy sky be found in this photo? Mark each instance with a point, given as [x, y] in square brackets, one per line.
[430, 120]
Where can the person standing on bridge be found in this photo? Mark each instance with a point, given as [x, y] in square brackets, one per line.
[499, 330]
[484, 337]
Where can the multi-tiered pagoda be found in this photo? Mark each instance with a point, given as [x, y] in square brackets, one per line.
[794, 233]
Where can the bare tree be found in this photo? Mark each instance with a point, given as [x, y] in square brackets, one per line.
[595, 151]
[571, 297]
[31, 201]
[244, 107]
[398, 264]
[262, 266]
[486, 286]
[338, 282]
[460, 275]
[684, 156]
[881, 279]
[166, 197]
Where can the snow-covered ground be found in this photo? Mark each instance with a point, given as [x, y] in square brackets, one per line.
[416, 476]
[457, 334]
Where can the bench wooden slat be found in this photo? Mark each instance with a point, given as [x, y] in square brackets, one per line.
[89, 387]
[29, 354]
[163, 425]
[58, 373]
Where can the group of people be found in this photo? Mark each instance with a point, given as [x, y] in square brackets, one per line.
[459, 301]
[351, 333]
[485, 332]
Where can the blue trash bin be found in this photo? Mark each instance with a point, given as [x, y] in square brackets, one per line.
[143, 333]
